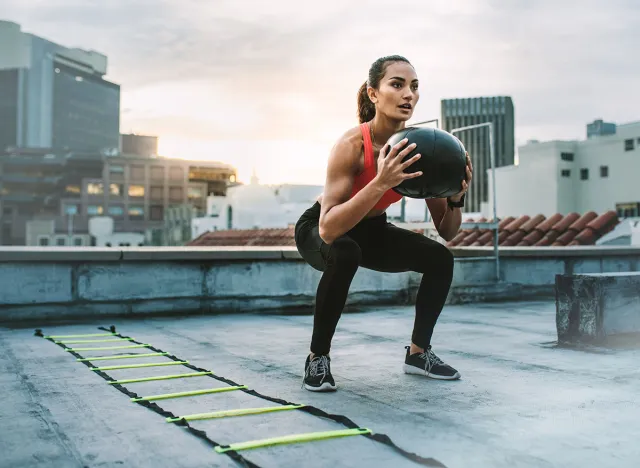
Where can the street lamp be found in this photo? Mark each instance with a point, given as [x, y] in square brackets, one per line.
[493, 225]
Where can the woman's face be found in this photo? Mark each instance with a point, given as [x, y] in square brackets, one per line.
[398, 94]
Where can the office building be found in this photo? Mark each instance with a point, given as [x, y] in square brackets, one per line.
[139, 145]
[463, 112]
[70, 188]
[597, 174]
[55, 97]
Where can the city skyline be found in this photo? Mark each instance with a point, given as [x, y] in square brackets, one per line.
[272, 90]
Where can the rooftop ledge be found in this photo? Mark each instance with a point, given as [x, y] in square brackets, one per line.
[83, 254]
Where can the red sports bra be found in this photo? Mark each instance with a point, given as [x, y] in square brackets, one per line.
[369, 173]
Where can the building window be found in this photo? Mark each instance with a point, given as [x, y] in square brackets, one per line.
[566, 172]
[628, 210]
[116, 169]
[74, 189]
[136, 212]
[116, 211]
[157, 172]
[116, 190]
[229, 217]
[176, 173]
[584, 174]
[604, 171]
[60, 241]
[137, 172]
[628, 145]
[566, 156]
[70, 209]
[43, 241]
[95, 188]
[136, 191]
[77, 241]
[195, 193]
[156, 213]
[175, 194]
[95, 210]
[157, 193]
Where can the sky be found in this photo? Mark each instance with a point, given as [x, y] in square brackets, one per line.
[270, 86]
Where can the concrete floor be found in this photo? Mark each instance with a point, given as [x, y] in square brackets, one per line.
[521, 402]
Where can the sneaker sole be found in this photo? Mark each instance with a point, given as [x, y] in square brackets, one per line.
[415, 371]
[325, 387]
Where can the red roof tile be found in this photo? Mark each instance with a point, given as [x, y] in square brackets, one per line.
[557, 230]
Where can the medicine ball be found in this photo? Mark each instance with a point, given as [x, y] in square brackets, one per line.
[443, 163]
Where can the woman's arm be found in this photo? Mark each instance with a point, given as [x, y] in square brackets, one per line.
[447, 221]
[338, 212]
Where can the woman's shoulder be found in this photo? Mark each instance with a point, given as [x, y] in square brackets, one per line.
[350, 142]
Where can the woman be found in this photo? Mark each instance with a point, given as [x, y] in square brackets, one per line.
[347, 227]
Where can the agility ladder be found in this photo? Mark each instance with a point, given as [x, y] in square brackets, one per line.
[111, 336]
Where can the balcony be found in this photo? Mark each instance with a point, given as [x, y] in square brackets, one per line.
[245, 315]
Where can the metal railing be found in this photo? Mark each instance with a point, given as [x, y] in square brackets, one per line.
[428, 225]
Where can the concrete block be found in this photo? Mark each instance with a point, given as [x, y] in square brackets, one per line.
[30, 283]
[592, 307]
[135, 281]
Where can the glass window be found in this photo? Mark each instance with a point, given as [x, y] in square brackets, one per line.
[195, 193]
[136, 212]
[116, 211]
[566, 156]
[116, 190]
[116, 169]
[75, 189]
[60, 241]
[43, 241]
[584, 174]
[77, 241]
[566, 172]
[136, 190]
[95, 188]
[628, 145]
[70, 209]
[95, 210]
[604, 171]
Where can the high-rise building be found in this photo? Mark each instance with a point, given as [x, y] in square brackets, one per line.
[55, 97]
[463, 112]
[140, 145]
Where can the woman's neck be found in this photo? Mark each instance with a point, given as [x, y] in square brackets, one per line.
[382, 128]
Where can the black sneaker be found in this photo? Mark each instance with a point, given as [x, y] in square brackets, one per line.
[317, 374]
[429, 365]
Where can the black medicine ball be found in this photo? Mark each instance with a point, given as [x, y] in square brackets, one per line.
[443, 163]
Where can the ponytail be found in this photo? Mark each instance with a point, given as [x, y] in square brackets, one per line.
[366, 108]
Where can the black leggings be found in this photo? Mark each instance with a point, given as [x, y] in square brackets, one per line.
[377, 245]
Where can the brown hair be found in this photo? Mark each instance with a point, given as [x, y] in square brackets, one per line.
[366, 108]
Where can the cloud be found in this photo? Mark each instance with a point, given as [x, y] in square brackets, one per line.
[278, 70]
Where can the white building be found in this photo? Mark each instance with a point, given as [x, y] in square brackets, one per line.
[598, 174]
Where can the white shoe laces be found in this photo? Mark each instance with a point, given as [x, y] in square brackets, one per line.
[431, 359]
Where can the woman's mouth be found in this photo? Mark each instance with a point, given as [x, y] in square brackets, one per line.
[406, 107]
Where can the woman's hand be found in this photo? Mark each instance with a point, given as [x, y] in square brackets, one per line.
[465, 183]
[391, 168]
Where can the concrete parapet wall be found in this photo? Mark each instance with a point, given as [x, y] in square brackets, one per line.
[594, 307]
[82, 283]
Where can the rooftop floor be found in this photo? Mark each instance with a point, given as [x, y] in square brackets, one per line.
[521, 402]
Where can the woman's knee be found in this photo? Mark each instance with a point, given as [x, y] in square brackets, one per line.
[344, 252]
